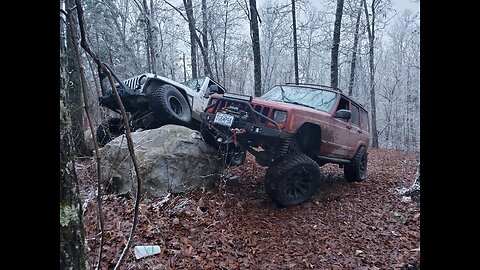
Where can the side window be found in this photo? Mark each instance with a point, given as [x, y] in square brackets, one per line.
[355, 115]
[343, 104]
[216, 88]
[364, 121]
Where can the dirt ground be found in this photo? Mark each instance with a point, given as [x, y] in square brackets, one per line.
[234, 225]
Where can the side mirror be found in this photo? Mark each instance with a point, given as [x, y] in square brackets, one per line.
[343, 114]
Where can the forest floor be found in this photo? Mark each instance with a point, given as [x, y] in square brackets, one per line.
[234, 225]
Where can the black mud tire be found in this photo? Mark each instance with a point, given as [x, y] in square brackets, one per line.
[170, 105]
[292, 180]
[109, 130]
[356, 170]
[208, 135]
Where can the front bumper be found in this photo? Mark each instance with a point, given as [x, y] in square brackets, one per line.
[249, 127]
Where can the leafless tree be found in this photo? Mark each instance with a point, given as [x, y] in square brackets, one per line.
[336, 44]
[193, 42]
[205, 34]
[371, 52]
[353, 60]
[72, 233]
[148, 19]
[295, 47]
[74, 100]
[257, 64]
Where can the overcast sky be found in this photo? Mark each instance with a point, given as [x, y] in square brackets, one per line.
[400, 5]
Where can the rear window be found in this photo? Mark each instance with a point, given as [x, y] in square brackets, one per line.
[364, 125]
[355, 115]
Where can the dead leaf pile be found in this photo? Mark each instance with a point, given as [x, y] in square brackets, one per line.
[235, 225]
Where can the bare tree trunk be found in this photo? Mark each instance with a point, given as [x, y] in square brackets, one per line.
[371, 39]
[257, 65]
[63, 24]
[88, 110]
[204, 34]
[74, 99]
[354, 52]
[161, 52]
[193, 43]
[409, 118]
[336, 44]
[184, 69]
[215, 55]
[309, 55]
[295, 48]
[151, 51]
[224, 43]
[153, 39]
[72, 232]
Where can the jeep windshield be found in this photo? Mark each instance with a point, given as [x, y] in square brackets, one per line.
[195, 84]
[322, 100]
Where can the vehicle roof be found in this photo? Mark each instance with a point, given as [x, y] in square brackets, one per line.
[325, 88]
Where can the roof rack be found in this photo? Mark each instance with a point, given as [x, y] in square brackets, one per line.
[312, 84]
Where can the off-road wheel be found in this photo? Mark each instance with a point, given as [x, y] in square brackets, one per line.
[169, 104]
[292, 180]
[109, 130]
[356, 170]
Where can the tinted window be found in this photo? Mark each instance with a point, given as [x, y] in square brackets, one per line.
[355, 116]
[364, 120]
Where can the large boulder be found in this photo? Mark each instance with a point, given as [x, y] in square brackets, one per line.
[171, 159]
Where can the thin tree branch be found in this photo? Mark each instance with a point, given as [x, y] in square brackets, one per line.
[131, 150]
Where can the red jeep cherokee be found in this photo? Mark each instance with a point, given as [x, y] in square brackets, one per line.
[292, 129]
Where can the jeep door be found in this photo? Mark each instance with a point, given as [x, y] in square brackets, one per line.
[355, 138]
[200, 102]
[343, 140]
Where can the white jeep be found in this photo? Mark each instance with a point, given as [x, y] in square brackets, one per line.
[151, 101]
